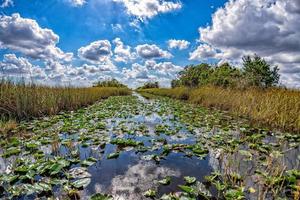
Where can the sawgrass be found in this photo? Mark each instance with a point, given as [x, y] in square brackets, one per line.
[275, 107]
[21, 101]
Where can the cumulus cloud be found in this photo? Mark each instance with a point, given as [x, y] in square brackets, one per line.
[163, 68]
[145, 9]
[137, 71]
[6, 3]
[203, 51]
[148, 51]
[26, 36]
[179, 44]
[96, 52]
[20, 67]
[77, 3]
[138, 74]
[269, 28]
[13, 65]
[122, 53]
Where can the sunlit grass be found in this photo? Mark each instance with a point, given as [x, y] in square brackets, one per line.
[275, 107]
[20, 101]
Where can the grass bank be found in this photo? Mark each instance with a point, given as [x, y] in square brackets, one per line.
[275, 107]
[20, 101]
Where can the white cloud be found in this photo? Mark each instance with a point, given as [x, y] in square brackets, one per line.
[77, 3]
[26, 36]
[96, 52]
[269, 28]
[202, 52]
[148, 51]
[122, 53]
[180, 44]
[138, 74]
[6, 3]
[137, 71]
[117, 28]
[167, 69]
[145, 9]
[13, 66]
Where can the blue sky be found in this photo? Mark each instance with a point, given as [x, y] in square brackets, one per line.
[156, 38]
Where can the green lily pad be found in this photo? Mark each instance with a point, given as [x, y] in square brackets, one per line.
[81, 183]
[150, 193]
[113, 155]
[165, 181]
[189, 180]
[100, 196]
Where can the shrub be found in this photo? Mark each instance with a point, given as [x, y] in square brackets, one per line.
[255, 72]
[148, 85]
[259, 73]
[109, 83]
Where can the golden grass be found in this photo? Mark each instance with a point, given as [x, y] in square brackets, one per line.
[275, 107]
[27, 101]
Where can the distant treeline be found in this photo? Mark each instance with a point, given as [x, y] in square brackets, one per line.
[109, 83]
[255, 72]
[148, 85]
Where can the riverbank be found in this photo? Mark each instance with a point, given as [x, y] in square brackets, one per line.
[277, 108]
[23, 102]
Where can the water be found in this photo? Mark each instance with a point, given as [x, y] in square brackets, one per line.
[157, 125]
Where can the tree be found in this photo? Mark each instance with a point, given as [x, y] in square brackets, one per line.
[109, 83]
[175, 83]
[148, 85]
[260, 73]
[194, 76]
[225, 76]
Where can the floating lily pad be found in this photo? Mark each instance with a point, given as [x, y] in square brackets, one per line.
[165, 181]
[150, 193]
[99, 196]
[113, 155]
[189, 180]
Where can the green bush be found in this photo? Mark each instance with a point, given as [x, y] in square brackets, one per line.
[110, 83]
[259, 73]
[149, 85]
[255, 72]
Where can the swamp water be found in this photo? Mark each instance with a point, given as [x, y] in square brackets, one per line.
[132, 148]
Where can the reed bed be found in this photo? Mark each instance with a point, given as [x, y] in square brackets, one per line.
[275, 107]
[21, 101]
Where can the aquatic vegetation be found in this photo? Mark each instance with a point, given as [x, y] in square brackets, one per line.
[165, 181]
[150, 193]
[101, 197]
[189, 153]
[274, 107]
[21, 101]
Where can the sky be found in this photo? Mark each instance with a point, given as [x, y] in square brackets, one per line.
[79, 42]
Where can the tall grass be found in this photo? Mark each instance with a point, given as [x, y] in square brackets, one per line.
[20, 101]
[275, 107]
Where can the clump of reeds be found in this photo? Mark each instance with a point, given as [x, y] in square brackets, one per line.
[274, 106]
[23, 101]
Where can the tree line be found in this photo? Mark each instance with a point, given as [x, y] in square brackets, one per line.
[255, 72]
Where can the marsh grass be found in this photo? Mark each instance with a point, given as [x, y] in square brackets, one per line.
[275, 107]
[22, 101]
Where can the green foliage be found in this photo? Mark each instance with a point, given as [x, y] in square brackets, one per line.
[255, 72]
[110, 83]
[149, 85]
[259, 73]
[193, 76]
[225, 76]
